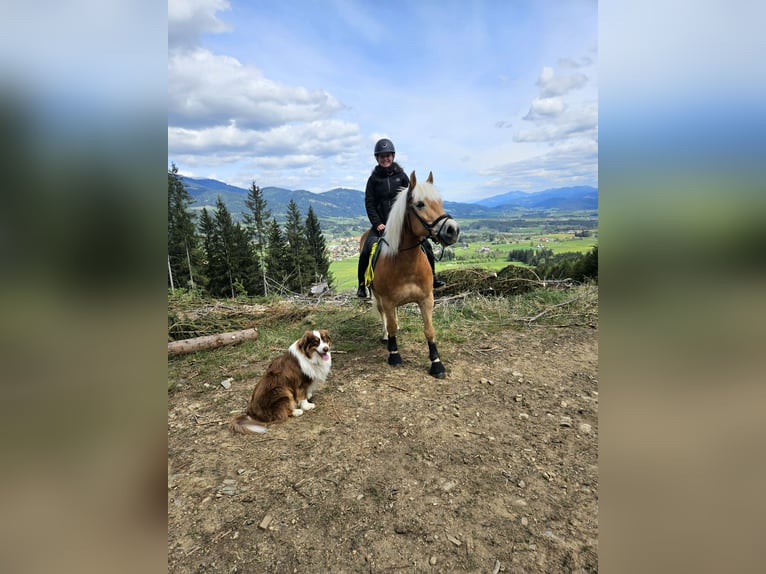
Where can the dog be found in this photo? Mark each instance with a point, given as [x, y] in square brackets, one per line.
[287, 385]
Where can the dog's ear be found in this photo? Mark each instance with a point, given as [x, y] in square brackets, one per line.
[305, 342]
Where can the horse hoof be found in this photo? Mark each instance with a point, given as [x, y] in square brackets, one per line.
[438, 370]
[395, 360]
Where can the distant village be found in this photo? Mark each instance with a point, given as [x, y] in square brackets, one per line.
[345, 247]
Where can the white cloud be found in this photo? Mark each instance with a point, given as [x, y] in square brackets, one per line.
[319, 138]
[580, 121]
[224, 114]
[206, 89]
[572, 163]
[545, 107]
[553, 85]
[189, 19]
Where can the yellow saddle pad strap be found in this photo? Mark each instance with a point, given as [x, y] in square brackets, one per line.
[369, 273]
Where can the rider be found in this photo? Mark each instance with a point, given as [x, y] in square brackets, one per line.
[382, 188]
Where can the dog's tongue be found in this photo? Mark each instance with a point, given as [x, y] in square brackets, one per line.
[326, 356]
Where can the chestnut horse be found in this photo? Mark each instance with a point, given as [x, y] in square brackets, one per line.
[402, 273]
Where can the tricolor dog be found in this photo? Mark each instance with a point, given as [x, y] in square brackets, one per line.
[287, 385]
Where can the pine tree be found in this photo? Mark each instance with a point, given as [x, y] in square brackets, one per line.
[320, 262]
[277, 263]
[183, 251]
[215, 259]
[245, 262]
[257, 222]
[298, 255]
[231, 265]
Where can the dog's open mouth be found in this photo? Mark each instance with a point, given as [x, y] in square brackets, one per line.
[325, 356]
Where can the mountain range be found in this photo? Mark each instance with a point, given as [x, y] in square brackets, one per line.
[349, 203]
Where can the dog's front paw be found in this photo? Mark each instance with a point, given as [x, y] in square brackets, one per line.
[307, 406]
[297, 412]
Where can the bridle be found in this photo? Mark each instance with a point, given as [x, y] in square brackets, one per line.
[430, 227]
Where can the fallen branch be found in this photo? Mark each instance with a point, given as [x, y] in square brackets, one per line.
[398, 388]
[210, 341]
[530, 320]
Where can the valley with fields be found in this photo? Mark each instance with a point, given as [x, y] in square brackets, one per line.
[562, 220]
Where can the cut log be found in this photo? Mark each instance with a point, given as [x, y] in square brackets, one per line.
[210, 341]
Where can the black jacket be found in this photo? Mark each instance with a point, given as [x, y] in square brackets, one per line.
[382, 188]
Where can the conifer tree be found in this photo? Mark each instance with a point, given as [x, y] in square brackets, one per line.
[298, 255]
[277, 263]
[320, 262]
[215, 266]
[183, 253]
[231, 264]
[257, 222]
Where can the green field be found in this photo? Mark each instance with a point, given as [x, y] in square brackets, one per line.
[344, 271]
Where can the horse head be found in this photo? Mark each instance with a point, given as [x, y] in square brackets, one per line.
[425, 205]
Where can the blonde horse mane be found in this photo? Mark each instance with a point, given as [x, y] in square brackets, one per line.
[423, 191]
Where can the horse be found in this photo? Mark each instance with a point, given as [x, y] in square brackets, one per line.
[402, 273]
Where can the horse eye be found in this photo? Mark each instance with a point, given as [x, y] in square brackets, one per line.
[420, 205]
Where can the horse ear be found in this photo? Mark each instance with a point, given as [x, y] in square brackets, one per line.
[430, 177]
[413, 180]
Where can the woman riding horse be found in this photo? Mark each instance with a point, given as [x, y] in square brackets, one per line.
[383, 185]
[402, 273]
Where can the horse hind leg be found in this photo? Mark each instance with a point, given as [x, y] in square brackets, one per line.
[378, 308]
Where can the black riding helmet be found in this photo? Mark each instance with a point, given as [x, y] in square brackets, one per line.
[384, 146]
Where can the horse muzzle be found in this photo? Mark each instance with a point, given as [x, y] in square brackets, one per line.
[448, 232]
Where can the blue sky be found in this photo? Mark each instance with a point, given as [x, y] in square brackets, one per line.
[492, 96]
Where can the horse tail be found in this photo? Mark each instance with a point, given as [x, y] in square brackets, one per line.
[245, 424]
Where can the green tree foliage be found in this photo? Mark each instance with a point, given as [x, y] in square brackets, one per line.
[231, 264]
[183, 243]
[576, 266]
[228, 259]
[257, 222]
[320, 261]
[278, 268]
[530, 256]
[214, 264]
[299, 256]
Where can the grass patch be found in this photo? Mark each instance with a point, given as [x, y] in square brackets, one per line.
[344, 271]
[356, 329]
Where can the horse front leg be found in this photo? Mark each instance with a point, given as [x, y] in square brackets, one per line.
[391, 325]
[426, 312]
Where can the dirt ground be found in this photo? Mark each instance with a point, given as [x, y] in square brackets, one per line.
[493, 469]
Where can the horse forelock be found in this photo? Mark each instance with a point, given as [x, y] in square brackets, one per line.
[423, 191]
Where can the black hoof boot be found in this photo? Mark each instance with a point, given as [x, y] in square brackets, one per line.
[395, 360]
[437, 370]
[361, 292]
[438, 283]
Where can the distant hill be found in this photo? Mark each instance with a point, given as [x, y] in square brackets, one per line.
[338, 202]
[349, 203]
[582, 197]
